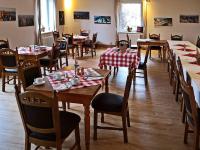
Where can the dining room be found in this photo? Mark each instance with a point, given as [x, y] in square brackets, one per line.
[89, 74]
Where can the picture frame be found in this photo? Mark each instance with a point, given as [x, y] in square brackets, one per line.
[162, 21]
[25, 20]
[81, 15]
[61, 18]
[7, 14]
[102, 19]
[189, 18]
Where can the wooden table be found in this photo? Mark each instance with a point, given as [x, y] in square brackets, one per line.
[150, 42]
[82, 96]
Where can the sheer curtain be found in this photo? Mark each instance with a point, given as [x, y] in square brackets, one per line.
[38, 39]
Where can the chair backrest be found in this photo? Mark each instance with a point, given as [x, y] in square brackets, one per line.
[8, 58]
[123, 44]
[56, 35]
[28, 71]
[94, 38]
[4, 44]
[189, 102]
[154, 36]
[69, 37]
[177, 37]
[55, 51]
[127, 88]
[179, 67]
[128, 39]
[84, 32]
[198, 42]
[39, 112]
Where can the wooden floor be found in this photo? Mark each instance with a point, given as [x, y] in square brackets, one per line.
[155, 116]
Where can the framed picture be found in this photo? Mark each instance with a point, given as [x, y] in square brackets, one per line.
[25, 20]
[163, 22]
[81, 15]
[102, 19]
[189, 18]
[61, 18]
[7, 14]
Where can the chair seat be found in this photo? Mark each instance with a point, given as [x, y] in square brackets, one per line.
[45, 61]
[68, 121]
[108, 102]
[11, 70]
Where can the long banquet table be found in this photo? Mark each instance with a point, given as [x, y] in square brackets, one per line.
[188, 62]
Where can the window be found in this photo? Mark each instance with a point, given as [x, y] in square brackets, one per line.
[130, 15]
[48, 12]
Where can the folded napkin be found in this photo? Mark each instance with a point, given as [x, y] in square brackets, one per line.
[190, 55]
[91, 73]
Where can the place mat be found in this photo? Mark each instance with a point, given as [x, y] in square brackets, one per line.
[182, 45]
[83, 81]
[190, 55]
[187, 49]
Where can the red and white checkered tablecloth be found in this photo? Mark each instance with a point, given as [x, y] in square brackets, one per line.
[113, 57]
[83, 81]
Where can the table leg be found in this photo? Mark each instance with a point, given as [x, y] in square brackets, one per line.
[106, 85]
[164, 53]
[87, 126]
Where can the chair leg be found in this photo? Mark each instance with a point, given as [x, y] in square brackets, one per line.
[196, 139]
[128, 118]
[95, 125]
[124, 128]
[77, 137]
[102, 117]
[27, 144]
[145, 76]
[68, 105]
[3, 82]
[183, 114]
[44, 70]
[64, 106]
[60, 62]
[177, 90]
[66, 57]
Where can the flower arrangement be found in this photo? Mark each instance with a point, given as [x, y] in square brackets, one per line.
[129, 29]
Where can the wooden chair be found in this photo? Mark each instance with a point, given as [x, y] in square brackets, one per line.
[70, 44]
[43, 123]
[84, 32]
[192, 113]
[130, 45]
[198, 42]
[56, 35]
[9, 64]
[4, 44]
[157, 48]
[113, 104]
[28, 71]
[51, 61]
[177, 37]
[90, 45]
[143, 67]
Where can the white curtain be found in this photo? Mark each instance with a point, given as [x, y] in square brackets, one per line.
[38, 39]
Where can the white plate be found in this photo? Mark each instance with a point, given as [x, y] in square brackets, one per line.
[62, 87]
[41, 83]
[94, 78]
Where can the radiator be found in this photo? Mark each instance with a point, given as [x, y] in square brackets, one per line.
[47, 39]
[133, 37]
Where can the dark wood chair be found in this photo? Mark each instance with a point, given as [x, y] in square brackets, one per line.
[28, 71]
[43, 123]
[142, 68]
[56, 35]
[4, 44]
[9, 63]
[192, 113]
[70, 44]
[130, 45]
[51, 61]
[113, 104]
[198, 42]
[90, 45]
[177, 37]
[84, 32]
[157, 48]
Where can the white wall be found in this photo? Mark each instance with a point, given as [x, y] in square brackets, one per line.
[17, 36]
[173, 9]
[106, 32]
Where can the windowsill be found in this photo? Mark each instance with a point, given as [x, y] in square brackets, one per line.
[133, 32]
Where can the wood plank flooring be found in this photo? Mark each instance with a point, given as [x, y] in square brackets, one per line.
[155, 116]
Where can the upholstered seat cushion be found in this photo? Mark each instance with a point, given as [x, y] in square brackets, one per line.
[68, 121]
[108, 102]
